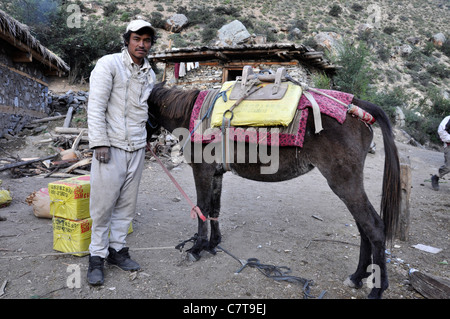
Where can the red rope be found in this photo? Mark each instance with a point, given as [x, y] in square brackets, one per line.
[195, 210]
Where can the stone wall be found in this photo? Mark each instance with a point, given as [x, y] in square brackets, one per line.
[210, 75]
[23, 93]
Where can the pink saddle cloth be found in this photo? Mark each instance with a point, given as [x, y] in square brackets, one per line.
[293, 135]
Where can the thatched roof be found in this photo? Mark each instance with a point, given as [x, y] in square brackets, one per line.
[276, 51]
[18, 35]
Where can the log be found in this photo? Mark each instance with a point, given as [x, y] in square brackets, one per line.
[47, 119]
[429, 286]
[78, 139]
[83, 162]
[68, 117]
[69, 130]
[22, 163]
[405, 181]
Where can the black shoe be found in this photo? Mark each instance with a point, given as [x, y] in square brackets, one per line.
[435, 182]
[122, 259]
[95, 271]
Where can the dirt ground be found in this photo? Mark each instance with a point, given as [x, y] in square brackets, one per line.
[271, 222]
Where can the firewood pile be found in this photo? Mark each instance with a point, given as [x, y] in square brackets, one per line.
[72, 155]
[64, 163]
[77, 159]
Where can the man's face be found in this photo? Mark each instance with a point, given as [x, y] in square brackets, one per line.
[139, 46]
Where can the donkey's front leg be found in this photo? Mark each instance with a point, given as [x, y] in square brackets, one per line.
[205, 184]
[201, 241]
[216, 236]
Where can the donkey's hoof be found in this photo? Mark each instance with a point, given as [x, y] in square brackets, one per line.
[193, 256]
[349, 283]
[212, 251]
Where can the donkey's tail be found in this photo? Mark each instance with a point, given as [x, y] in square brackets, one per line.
[391, 194]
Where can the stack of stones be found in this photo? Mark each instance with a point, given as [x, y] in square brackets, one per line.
[60, 103]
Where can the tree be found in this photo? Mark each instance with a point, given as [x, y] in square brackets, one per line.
[79, 46]
[354, 74]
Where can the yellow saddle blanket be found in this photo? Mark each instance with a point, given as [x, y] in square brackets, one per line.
[254, 112]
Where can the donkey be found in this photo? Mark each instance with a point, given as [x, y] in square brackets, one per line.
[338, 152]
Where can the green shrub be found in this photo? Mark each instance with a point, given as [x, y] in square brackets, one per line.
[321, 81]
[110, 9]
[354, 75]
[438, 70]
[446, 48]
[389, 100]
[389, 30]
[157, 19]
[335, 10]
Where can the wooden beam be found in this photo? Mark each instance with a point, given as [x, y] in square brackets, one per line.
[221, 56]
[22, 57]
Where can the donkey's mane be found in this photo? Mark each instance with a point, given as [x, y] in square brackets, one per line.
[173, 102]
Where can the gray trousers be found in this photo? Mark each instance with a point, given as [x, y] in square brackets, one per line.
[113, 197]
[444, 169]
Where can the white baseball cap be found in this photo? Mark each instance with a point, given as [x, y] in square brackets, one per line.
[136, 25]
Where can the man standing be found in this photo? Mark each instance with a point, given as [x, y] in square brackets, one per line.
[444, 134]
[120, 85]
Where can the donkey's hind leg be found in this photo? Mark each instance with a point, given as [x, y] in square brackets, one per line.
[372, 248]
[347, 183]
[365, 259]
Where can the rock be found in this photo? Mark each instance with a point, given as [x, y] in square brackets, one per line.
[405, 50]
[296, 33]
[330, 41]
[233, 33]
[176, 23]
[399, 117]
[413, 40]
[365, 28]
[438, 39]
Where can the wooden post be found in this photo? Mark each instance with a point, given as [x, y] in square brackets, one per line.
[404, 218]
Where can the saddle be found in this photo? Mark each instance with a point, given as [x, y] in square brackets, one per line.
[257, 100]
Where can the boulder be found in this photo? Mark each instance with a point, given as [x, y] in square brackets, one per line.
[399, 117]
[438, 39]
[176, 23]
[233, 33]
[296, 33]
[405, 50]
[330, 41]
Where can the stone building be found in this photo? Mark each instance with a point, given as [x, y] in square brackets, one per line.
[209, 66]
[25, 66]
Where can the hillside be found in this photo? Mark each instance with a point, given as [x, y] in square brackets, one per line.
[399, 40]
[409, 69]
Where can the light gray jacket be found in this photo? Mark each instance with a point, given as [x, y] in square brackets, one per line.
[117, 107]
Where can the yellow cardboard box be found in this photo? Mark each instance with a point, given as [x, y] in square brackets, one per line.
[73, 236]
[69, 198]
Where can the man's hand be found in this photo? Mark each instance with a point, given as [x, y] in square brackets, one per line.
[102, 154]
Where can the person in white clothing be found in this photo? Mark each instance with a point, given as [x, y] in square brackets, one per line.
[444, 134]
[120, 85]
